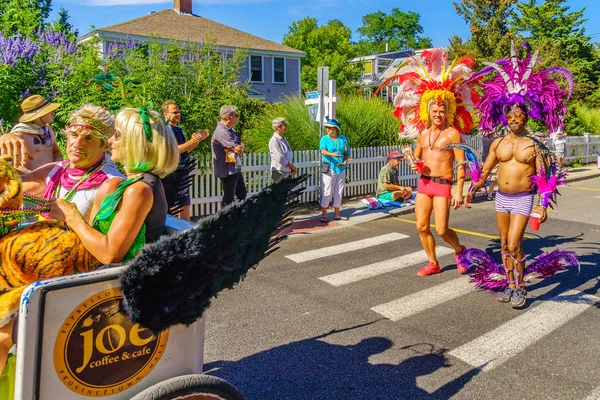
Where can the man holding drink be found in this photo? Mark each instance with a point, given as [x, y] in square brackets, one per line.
[434, 103]
[435, 184]
[515, 94]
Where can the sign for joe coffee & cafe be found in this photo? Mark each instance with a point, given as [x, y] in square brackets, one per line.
[99, 351]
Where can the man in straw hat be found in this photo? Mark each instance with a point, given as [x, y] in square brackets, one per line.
[32, 143]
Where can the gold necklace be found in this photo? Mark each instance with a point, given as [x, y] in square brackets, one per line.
[514, 142]
[436, 138]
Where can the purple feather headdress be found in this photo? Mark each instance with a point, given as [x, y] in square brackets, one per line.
[517, 83]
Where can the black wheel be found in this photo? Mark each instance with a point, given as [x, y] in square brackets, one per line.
[191, 387]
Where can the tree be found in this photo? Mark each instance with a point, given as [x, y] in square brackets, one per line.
[491, 33]
[398, 30]
[62, 24]
[23, 16]
[327, 45]
[559, 36]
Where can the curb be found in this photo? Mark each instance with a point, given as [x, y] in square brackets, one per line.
[583, 178]
[411, 209]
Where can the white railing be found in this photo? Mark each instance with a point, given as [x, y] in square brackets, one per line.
[583, 148]
[362, 174]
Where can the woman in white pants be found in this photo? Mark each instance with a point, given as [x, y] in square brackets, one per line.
[335, 153]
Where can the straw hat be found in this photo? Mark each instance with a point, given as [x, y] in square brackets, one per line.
[35, 107]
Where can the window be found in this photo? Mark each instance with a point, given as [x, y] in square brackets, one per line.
[394, 92]
[256, 69]
[278, 70]
[384, 93]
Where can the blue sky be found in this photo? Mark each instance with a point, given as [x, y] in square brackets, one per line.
[271, 19]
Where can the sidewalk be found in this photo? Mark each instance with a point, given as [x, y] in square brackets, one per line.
[307, 219]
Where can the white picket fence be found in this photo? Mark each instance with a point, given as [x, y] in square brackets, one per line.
[584, 148]
[363, 172]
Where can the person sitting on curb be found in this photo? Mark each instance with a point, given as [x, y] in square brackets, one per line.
[32, 142]
[388, 183]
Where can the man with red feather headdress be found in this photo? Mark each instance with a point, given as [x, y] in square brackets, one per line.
[434, 103]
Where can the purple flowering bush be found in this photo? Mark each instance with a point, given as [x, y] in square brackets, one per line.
[42, 63]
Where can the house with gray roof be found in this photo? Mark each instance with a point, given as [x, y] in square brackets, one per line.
[272, 69]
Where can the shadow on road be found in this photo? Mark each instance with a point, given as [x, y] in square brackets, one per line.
[315, 369]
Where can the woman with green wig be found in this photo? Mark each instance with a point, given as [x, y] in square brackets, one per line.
[136, 212]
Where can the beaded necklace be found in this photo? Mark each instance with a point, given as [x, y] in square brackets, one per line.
[11, 217]
[69, 195]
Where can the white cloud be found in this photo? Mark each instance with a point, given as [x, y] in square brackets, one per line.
[138, 2]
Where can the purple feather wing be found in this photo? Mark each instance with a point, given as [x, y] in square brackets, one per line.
[548, 264]
[487, 275]
[471, 157]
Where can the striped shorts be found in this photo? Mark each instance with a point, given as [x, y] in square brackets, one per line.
[514, 203]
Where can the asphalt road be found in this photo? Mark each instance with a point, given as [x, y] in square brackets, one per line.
[360, 324]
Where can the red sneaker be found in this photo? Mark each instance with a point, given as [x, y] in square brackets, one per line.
[430, 269]
[461, 265]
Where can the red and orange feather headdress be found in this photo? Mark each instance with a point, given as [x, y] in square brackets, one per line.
[434, 81]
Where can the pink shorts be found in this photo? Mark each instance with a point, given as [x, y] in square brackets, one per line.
[431, 188]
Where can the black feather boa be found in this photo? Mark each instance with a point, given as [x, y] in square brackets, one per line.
[173, 280]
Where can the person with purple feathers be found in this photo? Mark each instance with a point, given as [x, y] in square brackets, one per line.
[516, 94]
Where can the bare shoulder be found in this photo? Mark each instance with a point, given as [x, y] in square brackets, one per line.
[110, 185]
[42, 171]
[140, 191]
[452, 134]
[497, 141]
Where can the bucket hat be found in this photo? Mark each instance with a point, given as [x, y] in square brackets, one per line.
[35, 107]
[333, 123]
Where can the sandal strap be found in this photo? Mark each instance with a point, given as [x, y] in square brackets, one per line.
[514, 259]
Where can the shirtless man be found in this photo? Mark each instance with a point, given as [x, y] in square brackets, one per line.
[35, 143]
[516, 159]
[435, 186]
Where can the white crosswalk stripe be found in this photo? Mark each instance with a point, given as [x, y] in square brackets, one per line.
[595, 395]
[495, 347]
[345, 247]
[383, 267]
[425, 299]
[484, 352]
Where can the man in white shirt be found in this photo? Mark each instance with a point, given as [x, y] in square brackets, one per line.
[560, 143]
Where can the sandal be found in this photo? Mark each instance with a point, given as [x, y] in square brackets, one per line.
[519, 298]
[504, 297]
[324, 220]
[340, 218]
[507, 294]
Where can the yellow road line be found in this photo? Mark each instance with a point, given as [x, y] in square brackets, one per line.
[578, 188]
[463, 231]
